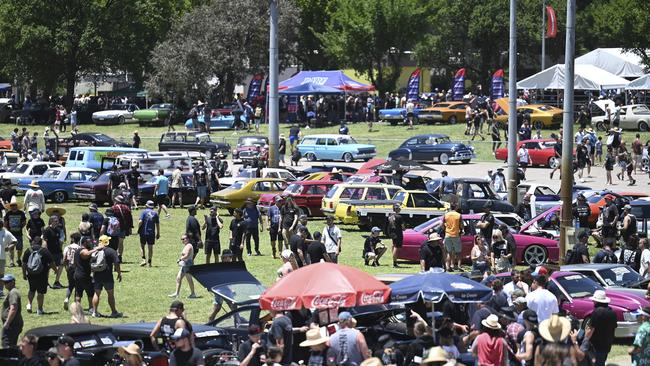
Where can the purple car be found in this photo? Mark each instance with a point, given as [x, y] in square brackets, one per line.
[574, 290]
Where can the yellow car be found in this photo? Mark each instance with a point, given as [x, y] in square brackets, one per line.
[236, 195]
[356, 192]
[450, 112]
[541, 115]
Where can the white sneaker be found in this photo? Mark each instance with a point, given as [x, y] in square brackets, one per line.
[29, 308]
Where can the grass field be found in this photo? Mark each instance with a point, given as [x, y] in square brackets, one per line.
[142, 295]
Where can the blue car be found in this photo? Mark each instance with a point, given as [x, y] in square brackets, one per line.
[335, 147]
[433, 148]
[396, 115]
[58, 184]
[220, 122]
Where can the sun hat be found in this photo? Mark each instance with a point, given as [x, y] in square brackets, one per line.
[520, 301]
[555, 329]
[436, 354]
[149, 204]
[34, 184]
[492, 322]
[313, 337]
[103, 240]
[286, 254]
[627, 207]
[131, 349]
[55, 209]
[435, 237]
[13, 202]
[601, 297]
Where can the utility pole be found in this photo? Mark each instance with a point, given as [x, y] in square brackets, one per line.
[274, 102]
[512, 106]
[566, 186]
[543, 61]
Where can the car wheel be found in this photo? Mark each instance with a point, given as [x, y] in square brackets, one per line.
[466, 161]
[59, 197]
[310, 157]
[643, 126]
[553, 162]
[538, 125]
[600, 126]
[452, 120]
[535, 255]
[347, 157]
[393, 123]
[121, 120]
[443, 159]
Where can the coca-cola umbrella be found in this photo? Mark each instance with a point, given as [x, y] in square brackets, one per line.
[322, 286]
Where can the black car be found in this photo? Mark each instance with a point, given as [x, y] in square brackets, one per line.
[193, 141]
[433, 148]
[473, 194]
[35, 114]
[85, 112]
[325, 168]
[95, 139]
[6, 110]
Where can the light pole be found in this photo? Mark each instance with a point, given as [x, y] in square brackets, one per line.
[512, 106]
[273, 101]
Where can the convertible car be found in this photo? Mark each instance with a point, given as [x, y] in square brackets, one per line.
[433, 148]
[217, 122]
[541, 152]
[396, 115]
[157, 114]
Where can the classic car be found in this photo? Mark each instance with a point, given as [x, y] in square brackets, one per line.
[432, 148]
[356, 191]
[95, 139]
[116, 114]
[596, 201]
[236, 195]
[632, 117]
[30, 169]
[58, 184]
[541, 196]
[250, 173]
[612, 276]
[450, 112]
[473, 194]
[541, 115]
[325, 168]
[36, 113]
[85, 112]
[541, 152]
[641, 210]
[157, 114]
[97, 190]
[545, 224]
[146, 189]
[307, 194]
[217, 122]
[335, 147]
[574, 290]
[531, 250]
[249, 147]
[396, 115]
[193, 141]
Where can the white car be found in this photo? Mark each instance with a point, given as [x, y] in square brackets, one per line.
[117, 114]
[249, 173]
[32, 169]
[632, 117]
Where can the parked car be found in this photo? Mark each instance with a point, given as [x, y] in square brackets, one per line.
[356, 191]
[307, 194]
[58, 184]
[542, 152]
[335, 147]
[325, 168]
[449, 112]
[189, 192]
[217, 122]
[541, 115]
[193, 141]
[236, 195]
[30, 169]
[396, 115]
[94, 344]
[433, 148]
[573, 291]
[116, 114]
[641, 210]
[85, 112]
[97, 190]
[632, 117]
[250, 173]
[249, 147]
[36, 113]
[157, 114]
[473, 194]
[612, 276]
[531, 250]
[6, 111]
[95, 139]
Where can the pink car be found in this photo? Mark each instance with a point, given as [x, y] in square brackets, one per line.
[530, 249]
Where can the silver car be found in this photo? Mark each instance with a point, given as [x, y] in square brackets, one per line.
[612, 276]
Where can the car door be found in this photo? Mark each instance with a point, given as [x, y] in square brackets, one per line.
[467, 239]
[414, 145]
[191, 143]
[332, 150]
[477, 196]
[71, 179]
[535, 152]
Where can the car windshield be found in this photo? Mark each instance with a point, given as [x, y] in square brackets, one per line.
[20, 168]
[239, 292]
[544, 191]
[577, 285]
[101, 137]
[438, 140]
[247, 173]
[293, 189]
[251, 141]
[347, 141]
[51, 174]
[545, 108]
[237, 185]
[426, 225]
[204, 138]
[620, 276]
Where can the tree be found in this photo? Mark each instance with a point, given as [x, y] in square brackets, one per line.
[314, 17]
[371, 36]
[223, 41]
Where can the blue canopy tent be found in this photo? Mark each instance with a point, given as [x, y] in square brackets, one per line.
[331, 78]
[310, 88]
[435, 285]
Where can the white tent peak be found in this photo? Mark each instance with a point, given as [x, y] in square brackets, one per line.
[587, 77]
[615, 61]
[642, 83]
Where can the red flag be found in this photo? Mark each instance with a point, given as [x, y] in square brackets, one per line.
[551, 22]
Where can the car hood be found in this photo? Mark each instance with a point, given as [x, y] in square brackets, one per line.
[626, 300]
[230, 280]
[266, 198]
[392, 111]
[110, 112]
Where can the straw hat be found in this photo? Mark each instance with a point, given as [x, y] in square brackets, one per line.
[372, 361]
[103, 240]
[436, 354]
[601, 297]
[555, 329]
[314, 337]
[13, 202]
[131, 349]
[34, 184]
[435, 237]
[51, 210]
[492, 322]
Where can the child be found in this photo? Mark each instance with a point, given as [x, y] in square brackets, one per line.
[295, 157]
[599, 149]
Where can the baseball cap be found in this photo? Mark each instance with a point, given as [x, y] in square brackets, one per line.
[345, 315]
[8, 278]
[66, 340]
[520, 301]
[93, 207]
[180, 333]
[254, 329]
[375, 229]
[531, 316]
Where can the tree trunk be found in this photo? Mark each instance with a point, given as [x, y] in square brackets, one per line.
[229, 87]
[70, 80]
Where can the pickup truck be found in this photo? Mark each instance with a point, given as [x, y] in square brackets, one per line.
[417, 207]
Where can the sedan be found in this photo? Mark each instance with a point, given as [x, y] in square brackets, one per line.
[612, 276]
[58, 184]
[95, 139]
[542, 152]
[116, 114]
[531, 250]
[236, 195]
[433, 148]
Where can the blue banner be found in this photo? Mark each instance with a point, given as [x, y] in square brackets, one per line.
[458, 89]
[255, 88]
[497, 85]
[413, 87]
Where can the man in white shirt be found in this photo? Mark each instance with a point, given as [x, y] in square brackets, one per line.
[541, 300]
[34, 198]
[7, 241]
[644, 267]
[523, 157]
[516, 283]
[332, 239]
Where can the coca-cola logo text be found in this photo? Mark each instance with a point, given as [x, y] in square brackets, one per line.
[283, 303]
[376, 297]
[331, 301]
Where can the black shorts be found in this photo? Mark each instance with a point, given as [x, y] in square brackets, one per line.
[397, 242]
[134, 192]
[236, 250]
[173, 190]
[81, 285]
[99, 285]
[608, 231]
[275, 234]
[161, 199]
[38, 283]
[523, 165]
[58, 258]
[213, 246]
[147, 240]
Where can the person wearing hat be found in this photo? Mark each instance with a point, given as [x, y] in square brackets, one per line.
[603, 320]
[490, 347]
[52, 241]
[541, 300]
[530, 341]
[436, 356]
[103, 278]
[333, 239]
[253, 216]
[34, 197]
[373, 249]
[555, 329]
[131, 355]
[136, 140]
[610, 220]
[396, 231]
[282, 149]
[65, 351]
[149, 231]
[212, 225]
[15, 220]
[432, 253]
[165, 327]
[200, 182]
[273, 224]
[629, 227]
[640, 350]
[184, 353]
[289, 263]
[132, 179]
[12, 320]
[348, 343]
[252, 350]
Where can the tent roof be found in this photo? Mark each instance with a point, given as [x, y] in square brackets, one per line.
[642, 83]
[332, 78]
[587, 77]
[615, 61]
[311, 88]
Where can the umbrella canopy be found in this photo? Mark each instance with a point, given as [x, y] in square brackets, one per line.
[433, 286]
[398, 164]
[309, 89]
[322, 286]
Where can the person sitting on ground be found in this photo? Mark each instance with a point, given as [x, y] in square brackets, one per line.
[431, 253]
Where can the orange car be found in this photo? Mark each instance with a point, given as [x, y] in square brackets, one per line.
[541, 115]
[450, 112]
[597, 202]
[5, 144]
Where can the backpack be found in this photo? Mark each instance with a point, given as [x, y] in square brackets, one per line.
[98, 261]
[573, 257]
[609, 257]
[35, 262]
[113, 226]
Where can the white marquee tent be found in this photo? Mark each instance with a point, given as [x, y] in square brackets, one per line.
[587, 77]
[615, 61]
[642, 83]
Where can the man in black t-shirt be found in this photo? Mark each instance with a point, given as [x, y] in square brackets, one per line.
[431, 253]
[212, 226]
[52, 239]
[103, 279]
[289, 218]
[254, 348]
[281, 335]
[373, 249]
[200, 182]
[316, 250]
[37, 279]
[486, 223]
[580, 253]
[237, 232]
[298, 246]
[132, 183]
[114, 180]
[396, 231]
[193, 229]
[558, 155]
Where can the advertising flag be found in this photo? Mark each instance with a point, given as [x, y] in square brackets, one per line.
[292, 107]
[497, 85]
[255, 88]
[551, 22]
[458, 89]
[413, 87]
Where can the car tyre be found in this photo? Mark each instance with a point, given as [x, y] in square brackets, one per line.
[465, 161]
[538, 125]
[310, 157]
[600, 126]
[443, 159]
[643, 126]
[59, 197]
[393, 123]
[348, 158]
[553, 162]
[452, 120]
[535, 254]
[121, 120]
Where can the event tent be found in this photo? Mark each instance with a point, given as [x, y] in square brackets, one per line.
[331, 78]
[4, 86]
[587, 77]
[642, 83]
[615, 61]
[310, 89]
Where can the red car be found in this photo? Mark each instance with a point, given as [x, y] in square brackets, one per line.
[541, 152]
[249, 147]
[530, 249]
[307, 194]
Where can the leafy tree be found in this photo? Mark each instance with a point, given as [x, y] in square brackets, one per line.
[370, 36]
[313, 19]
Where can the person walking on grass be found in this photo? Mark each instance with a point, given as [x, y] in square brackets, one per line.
[12, 319]
[453, 228]
[274, 217]
[332, 239]
[68, 264]
[52, 241]
[37, 262]
[102, 264]
[176, 187]
[149, 231]
[185, 261]
[161, 192]
[7, 242]
[253, 216]
[396, 231]
[212, 226]
[82, 271]
[15, 220]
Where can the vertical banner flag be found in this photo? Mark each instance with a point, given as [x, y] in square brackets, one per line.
[497, 85]
[413, 87]
[266, 100]
[458, 89]
[255, 88]
[292, 107]
[551, 22]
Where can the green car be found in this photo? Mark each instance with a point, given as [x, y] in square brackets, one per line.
[157, 114]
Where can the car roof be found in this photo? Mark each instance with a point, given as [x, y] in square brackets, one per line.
[252, 137]
[71, 169]
[429, 135]
[331, 135]
[67, 329]
[471, 180]
[107, 148]
[368, 184]
[594, 266]
[314, 182]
